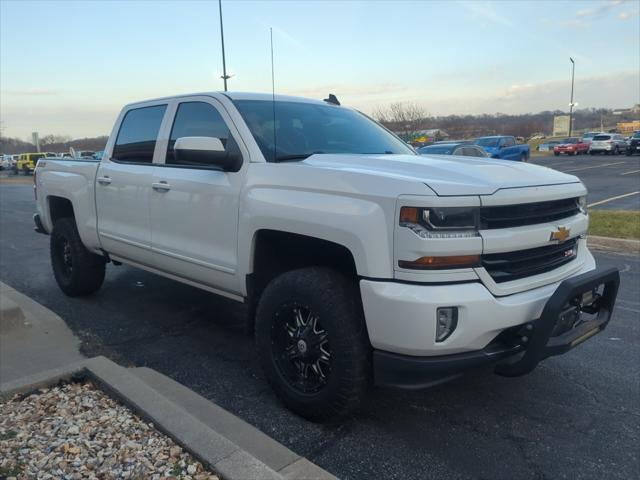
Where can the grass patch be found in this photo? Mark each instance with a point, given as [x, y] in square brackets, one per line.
[614, 223]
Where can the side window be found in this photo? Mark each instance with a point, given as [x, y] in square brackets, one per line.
[138, 133]
[196, 119]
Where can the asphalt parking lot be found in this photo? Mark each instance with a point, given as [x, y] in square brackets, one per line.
[613, 181]
[576, 416]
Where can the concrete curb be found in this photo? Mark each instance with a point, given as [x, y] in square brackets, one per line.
[259, 457]
[621, 245]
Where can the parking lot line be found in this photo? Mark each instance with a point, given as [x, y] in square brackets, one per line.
[592, 166]
[607, 200]
[629, 173]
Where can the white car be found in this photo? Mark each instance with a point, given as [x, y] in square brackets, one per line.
[7, 162]
[608, 143]
[360, 260]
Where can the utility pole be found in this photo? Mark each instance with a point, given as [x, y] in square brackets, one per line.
[224, 76]
[573, 69]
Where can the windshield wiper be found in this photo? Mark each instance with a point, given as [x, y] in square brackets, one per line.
[295, 156]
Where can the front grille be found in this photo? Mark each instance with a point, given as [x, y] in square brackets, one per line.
[528, 213]
[504, 267]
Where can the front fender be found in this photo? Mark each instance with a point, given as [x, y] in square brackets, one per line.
[360, 225]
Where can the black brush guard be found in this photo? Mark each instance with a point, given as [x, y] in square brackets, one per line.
[566, 305]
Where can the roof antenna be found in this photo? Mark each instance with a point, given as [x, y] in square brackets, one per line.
[332, 99]
[273, 97]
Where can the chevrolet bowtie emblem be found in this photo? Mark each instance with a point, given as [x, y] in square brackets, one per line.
[560, 235]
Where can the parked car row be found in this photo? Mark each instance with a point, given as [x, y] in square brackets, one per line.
[503, 147]
[592, 143]
[26, 162]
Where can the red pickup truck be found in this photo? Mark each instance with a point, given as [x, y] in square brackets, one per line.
[572, 146]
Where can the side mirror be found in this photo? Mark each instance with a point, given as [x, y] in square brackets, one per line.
[208, 152]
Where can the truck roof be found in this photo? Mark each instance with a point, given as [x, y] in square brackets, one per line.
[237, 96]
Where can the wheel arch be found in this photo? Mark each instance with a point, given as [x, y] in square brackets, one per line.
[276, 251]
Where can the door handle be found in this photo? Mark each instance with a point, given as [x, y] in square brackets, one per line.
[104, 180]
[161, 186]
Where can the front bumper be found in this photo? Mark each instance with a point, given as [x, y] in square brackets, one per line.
[517, 351]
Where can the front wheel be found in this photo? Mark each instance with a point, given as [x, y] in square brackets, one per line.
[557, 154]
[312, 342]
[77, 271]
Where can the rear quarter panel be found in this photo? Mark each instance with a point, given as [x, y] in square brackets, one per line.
[73, 180]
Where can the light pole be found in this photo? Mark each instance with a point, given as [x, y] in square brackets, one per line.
[224, 76]
[573, 70]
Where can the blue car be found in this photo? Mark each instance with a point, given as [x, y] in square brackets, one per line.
[504, 147]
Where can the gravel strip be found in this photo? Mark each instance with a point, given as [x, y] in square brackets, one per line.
[75, 431]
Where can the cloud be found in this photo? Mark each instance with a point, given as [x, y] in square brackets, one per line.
[628, 14]
[280, 34]
[32, 92]
[487, 11]
[351, 90]
[584, 17]
[575, 23]
[600, 10]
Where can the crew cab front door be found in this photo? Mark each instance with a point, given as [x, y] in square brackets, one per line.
[194, 208]
[123, 185]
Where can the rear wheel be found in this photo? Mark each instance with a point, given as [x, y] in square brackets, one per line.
[312, 342]
[77, 271]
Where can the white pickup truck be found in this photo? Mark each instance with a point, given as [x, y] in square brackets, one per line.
[363, 262]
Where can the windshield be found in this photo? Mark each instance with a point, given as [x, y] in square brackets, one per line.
[570, 140]
[602, 137]
[302, 129]
[487, 142]
[440, 149]
[636, 135]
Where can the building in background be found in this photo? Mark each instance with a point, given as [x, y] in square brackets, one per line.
[561, 126]
[628, 127]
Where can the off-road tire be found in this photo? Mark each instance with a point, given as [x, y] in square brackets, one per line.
[335, 299]
[77, 271]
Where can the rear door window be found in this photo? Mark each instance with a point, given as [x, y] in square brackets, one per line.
[136, 139]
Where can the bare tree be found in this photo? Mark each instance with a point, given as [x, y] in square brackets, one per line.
[405, 117]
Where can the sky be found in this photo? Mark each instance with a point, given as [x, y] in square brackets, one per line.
[68, 67]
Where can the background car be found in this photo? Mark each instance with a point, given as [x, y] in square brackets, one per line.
[547, 146]
[27, 162]
[634, 144]
[588, 136]
[464, 149]
[6, 162]
[572, 146]
[608, 143]
[504, 146]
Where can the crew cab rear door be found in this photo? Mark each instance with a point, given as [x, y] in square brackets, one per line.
[123, 184]
[194, 208]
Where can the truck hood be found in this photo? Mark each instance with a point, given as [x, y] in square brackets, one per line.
[446, 175]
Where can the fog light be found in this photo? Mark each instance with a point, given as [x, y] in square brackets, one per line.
[446, 322]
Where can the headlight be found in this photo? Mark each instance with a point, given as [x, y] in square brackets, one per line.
[441, 222]
[582, 204]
